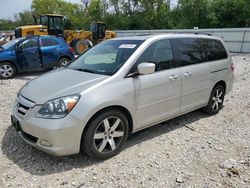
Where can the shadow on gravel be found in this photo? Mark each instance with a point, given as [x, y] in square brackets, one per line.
[165, 127]
[39, 163]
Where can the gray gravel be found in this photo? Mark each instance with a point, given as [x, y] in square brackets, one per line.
[194, 150]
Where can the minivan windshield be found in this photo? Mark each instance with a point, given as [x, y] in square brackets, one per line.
[106, 58]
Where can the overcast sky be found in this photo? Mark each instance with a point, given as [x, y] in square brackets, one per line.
[10, 7]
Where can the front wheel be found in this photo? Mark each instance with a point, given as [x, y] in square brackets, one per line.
[215, 101]
[7, 70]
[105, 135]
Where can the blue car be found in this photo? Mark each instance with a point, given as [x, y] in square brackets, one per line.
[33, 54]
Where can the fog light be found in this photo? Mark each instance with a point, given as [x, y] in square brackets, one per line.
[45, 143]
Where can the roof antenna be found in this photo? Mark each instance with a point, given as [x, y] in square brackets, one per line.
[196, 30]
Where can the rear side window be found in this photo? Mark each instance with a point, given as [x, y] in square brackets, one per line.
[49, 42]
[216, 50]
[160, 53]
[196, 50]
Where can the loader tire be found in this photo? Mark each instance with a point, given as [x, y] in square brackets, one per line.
[81, 45]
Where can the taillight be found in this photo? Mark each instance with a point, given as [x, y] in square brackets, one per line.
[232, 67]
[71, 49]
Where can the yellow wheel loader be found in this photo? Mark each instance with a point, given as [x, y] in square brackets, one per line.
[79, 40]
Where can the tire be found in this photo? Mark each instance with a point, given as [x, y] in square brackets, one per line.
[7, 70]
[81, 45]
[215, 101]
[105, 134]
[63, 62]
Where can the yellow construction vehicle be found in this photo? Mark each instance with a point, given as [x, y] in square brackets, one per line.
[79, 40]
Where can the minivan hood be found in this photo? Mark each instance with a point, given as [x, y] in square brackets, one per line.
[58, 83]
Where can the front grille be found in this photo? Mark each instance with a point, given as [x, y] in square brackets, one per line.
[22, 109]
[23, 105]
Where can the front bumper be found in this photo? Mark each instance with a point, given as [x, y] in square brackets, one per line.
[63, 136]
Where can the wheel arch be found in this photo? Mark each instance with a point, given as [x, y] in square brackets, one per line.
[208, 108]
[122, 109]
[222, 83]
[64, 56]
[13, 63]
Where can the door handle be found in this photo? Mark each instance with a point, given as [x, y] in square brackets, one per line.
[173, 77]
[188, 74]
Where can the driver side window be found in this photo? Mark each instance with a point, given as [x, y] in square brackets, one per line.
[160, 53]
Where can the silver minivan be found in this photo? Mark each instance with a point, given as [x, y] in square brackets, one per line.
[119, 87]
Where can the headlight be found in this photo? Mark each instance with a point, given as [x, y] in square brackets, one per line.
[58, 108]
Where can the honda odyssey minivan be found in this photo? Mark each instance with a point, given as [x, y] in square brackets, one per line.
[119, 87]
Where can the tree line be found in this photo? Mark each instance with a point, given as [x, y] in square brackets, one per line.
[139, 14]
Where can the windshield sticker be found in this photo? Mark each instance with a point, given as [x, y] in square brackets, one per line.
[131, 46]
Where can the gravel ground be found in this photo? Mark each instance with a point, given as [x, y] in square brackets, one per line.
[194, 150]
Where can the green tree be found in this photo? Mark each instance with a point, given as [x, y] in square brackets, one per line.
[192, 13]
[24, 18]
[230, 13]
[95, 10]
[48, 6]
[7, 25]
[140, 14]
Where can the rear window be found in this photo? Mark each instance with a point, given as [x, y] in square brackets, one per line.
[49, 42]
[196, 50]
[216, 50]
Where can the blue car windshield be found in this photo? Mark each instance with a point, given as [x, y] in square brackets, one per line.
[10, 44]
[107, 57]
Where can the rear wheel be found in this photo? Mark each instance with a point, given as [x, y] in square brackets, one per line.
[7, 70]
[105, 135]
[63, 62]
[216, 100]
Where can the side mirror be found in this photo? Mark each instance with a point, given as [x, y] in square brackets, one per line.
[146, 68]
[19, 46]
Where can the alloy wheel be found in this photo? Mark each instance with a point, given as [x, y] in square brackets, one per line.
[64, 63]
[6, 70]
[217, 99]
[108, 135]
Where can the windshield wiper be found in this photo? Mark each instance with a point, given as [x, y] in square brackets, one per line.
[1, 48]
[86, 70]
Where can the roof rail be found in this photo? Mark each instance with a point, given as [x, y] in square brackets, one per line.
[196, 33]
[146, 34]
[209, 34]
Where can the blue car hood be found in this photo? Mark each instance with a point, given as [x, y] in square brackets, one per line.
[4, 52]
[7, 54]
